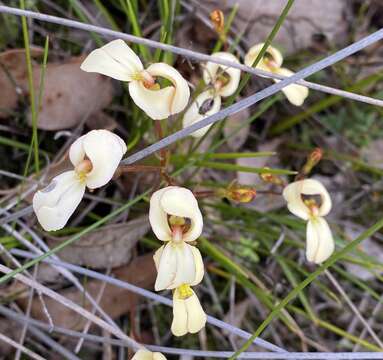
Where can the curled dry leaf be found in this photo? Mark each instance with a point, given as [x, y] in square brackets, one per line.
[115, 300]
[107, 247]
[70, 94]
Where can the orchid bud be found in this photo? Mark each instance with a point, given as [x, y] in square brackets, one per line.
[272, 178]
[313, 159]
[218, 19]
[240, 194]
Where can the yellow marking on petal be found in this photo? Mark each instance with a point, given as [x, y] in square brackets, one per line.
[184, 291]
[176, 220]
[83, 169]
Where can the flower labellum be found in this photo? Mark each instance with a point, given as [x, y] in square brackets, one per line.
[188, 315]
[175, 218]
[272, 62]
[95, 157]
[309, 200]
[117, 60]
[224, 82]
[144, 354]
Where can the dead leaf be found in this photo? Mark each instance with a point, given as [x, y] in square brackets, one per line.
[115, 301]
[107, 247]
[232, 124]
[70, 95]
[13, 77]
[306, 22]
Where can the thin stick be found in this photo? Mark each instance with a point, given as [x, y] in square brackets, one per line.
[198, 353]
[353, 308]
[22, 348]
[252, 99]
[89, 322]
[148, 294]
[73, 306]
[183, 52]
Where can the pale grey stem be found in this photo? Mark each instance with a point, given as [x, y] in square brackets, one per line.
[22, 348]
[89, 323]
[73, 306]
[377, 310]
[183, 52]
[17, 263]
[27, 314]
[354, 309]
[148, 294]
[54, 345]
[198, 353]
[67, 274]
[252, 99]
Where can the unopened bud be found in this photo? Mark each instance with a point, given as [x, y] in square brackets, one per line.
[218, 20]
[272, 179]
[312, 160]
[241, 194]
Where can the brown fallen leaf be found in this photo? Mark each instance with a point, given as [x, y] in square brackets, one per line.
[107, 247]
[115, 301]
[13, 78]
[70, 94]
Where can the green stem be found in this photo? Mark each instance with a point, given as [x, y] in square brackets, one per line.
[31, 88]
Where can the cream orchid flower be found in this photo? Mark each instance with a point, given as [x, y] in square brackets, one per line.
[144, 354]
[188, 315]
[117, 60]
[95, 157]
[309, 200]
[175, 218]
[272, 62]
[224, 81]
